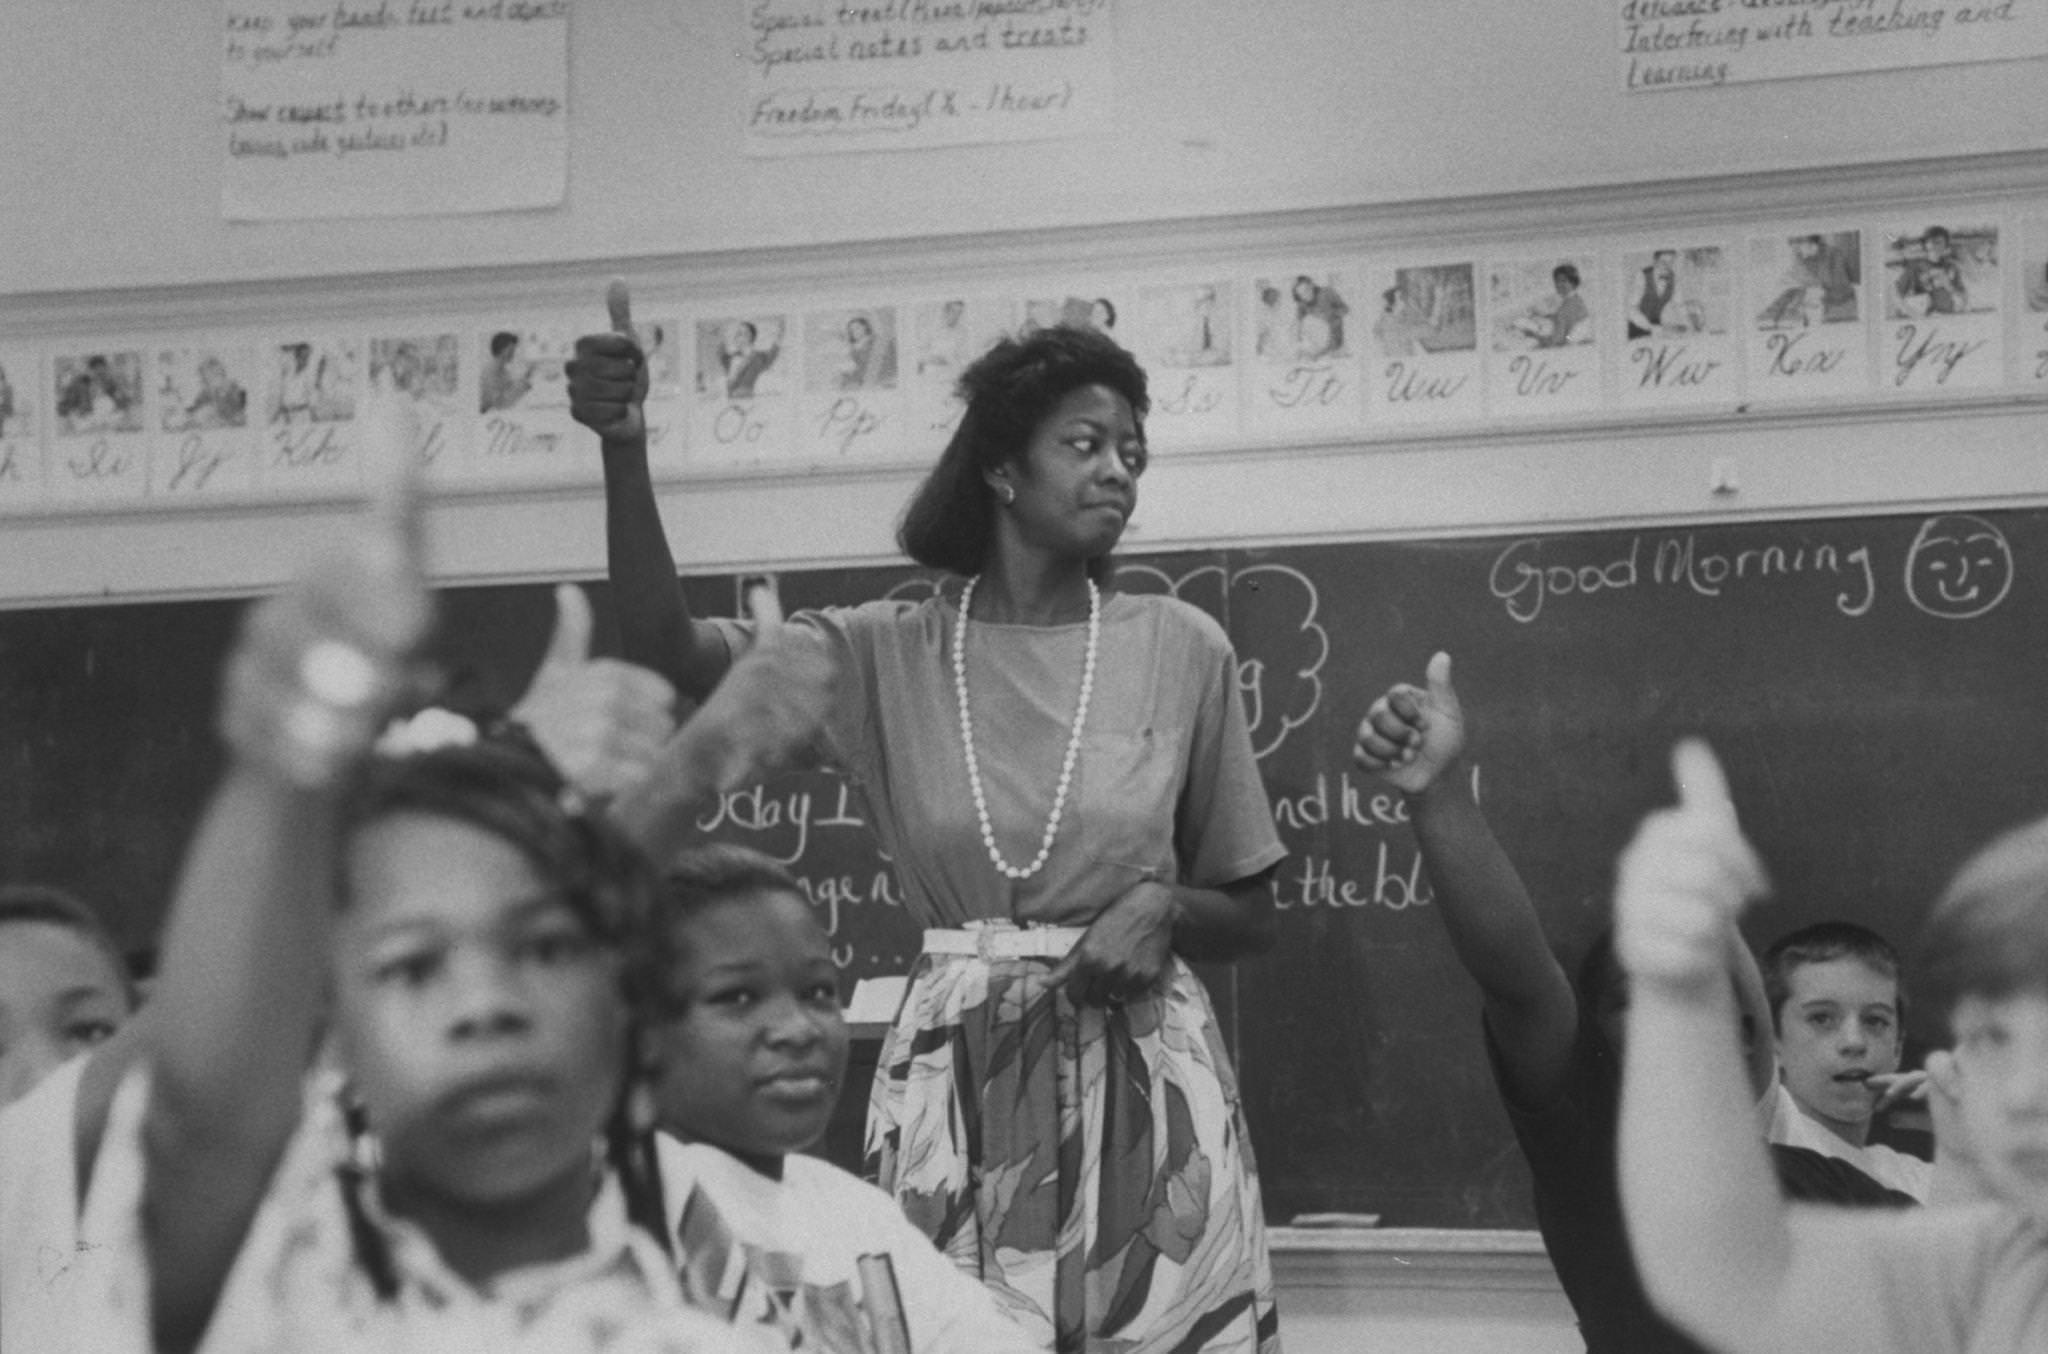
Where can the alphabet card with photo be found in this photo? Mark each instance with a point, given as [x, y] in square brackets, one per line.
[1187, 338]
[947, 334]
[422, 369]
[854, 405]
[2033, 326]
[1543, 331]
[1676, 311]
[207, 442]
[312, 387]
[1807, 329]
[1306, 375]
[1423, 359]
[524, 434]
[665, 339]
[744, 409]
[1944, 326]
[99, 443]
[22, 406]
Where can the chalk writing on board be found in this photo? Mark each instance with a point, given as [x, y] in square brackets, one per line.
[825, 75]
[1680, 44]
[393, 108]
[1959, 566]
[1525, 583]
[1282, 683]
[1328, 811]
[811, 818]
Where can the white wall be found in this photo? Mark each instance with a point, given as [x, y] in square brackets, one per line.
[111, 159]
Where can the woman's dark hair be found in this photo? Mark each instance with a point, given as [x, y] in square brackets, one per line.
[1009, 390]
[1566, 272]
[503, 784]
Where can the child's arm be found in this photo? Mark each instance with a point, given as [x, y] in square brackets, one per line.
[601, 721]
[607, 389]
[1705, 1219]
[232, 1021]
[767, 709]
[1414, 739]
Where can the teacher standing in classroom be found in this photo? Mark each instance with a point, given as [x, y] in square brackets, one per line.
[1062, 775]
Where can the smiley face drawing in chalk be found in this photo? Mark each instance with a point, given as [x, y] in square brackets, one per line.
[1960, 566]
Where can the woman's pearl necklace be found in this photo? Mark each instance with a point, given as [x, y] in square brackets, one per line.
[1059, 797]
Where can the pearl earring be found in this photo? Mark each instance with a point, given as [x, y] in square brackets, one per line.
[1008, 492]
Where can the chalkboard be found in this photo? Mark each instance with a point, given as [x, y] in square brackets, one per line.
[1873, 685]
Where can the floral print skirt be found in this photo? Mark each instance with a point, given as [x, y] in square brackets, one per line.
[1088, 1163]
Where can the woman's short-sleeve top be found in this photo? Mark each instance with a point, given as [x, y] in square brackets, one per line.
[1165, 785]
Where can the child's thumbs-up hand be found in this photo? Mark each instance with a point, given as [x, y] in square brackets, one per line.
[1684, 880]
[608, 375]
[321, 665]
[1412, 733]
[603, 722]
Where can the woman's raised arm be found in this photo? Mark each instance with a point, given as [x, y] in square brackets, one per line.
[607, 394]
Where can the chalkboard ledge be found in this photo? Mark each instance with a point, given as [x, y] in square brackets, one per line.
[1467, 1259]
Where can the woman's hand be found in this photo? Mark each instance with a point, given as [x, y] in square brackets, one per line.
[1124, 954]
[608, 375]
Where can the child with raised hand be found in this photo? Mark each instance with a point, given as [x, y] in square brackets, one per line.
[1553, 1043]
[750, 1051]
[457, 929]
[1718, 1249]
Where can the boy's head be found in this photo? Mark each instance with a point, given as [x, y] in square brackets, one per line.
[63, 987]
[1836, 1008]
[750, 1042]
[1981, 969]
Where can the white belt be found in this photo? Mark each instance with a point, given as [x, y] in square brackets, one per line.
[1004, 940]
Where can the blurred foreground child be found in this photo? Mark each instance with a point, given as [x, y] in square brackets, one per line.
[1717, 1247]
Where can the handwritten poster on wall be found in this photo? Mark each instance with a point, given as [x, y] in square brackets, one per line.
[1687, 44]
[392, 107]
[826, 75]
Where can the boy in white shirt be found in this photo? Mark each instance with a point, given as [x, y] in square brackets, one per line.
[1836, 1012]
